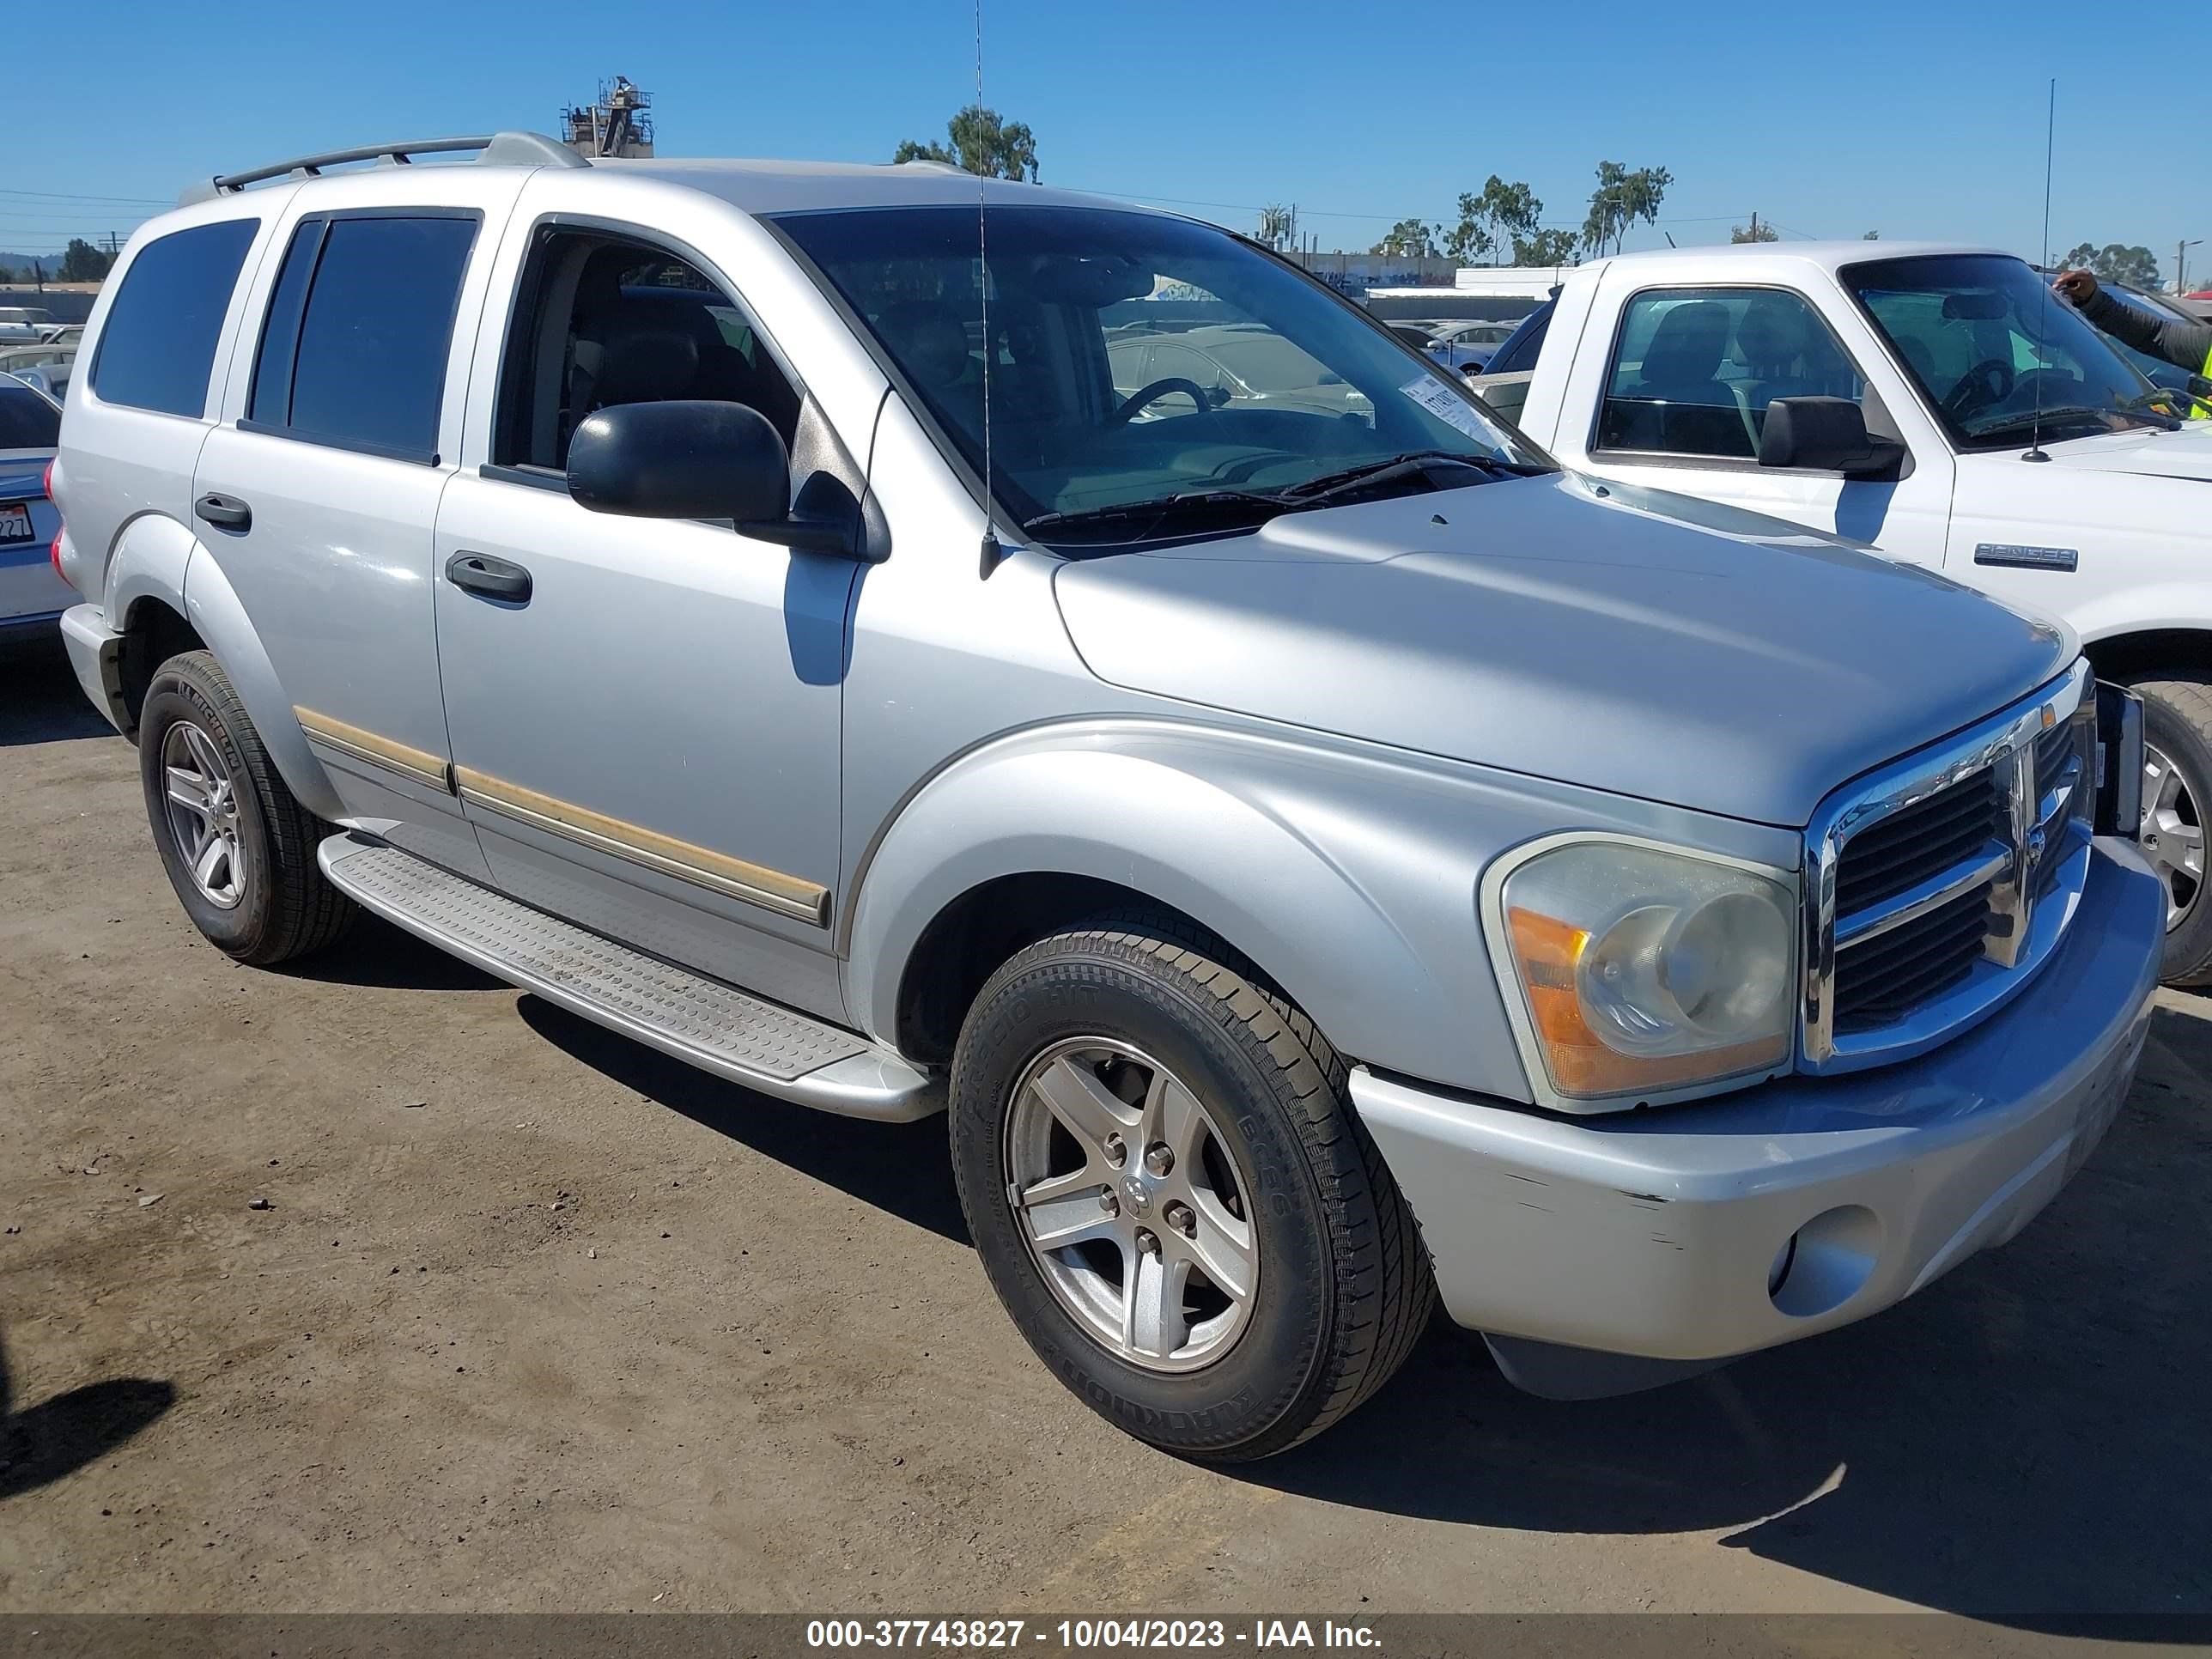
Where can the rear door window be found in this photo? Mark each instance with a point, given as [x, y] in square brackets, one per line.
[360, 328]
[158, 341]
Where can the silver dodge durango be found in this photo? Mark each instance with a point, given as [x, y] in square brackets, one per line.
[829, 624]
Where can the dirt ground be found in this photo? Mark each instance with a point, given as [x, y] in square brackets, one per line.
[535, 1318]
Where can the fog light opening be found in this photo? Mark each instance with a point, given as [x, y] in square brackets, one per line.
[1826, 1262]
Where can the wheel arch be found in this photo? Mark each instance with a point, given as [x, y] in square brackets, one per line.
[215, 615]
[1050, 828]
[2132, 654]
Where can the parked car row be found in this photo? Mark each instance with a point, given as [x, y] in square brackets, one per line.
[1322, 854]
[32, 595]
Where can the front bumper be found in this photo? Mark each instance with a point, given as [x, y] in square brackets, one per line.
[1658, 1234]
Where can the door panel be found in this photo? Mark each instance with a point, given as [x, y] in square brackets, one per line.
[649, 743]
[335, 572]
[1681, 374]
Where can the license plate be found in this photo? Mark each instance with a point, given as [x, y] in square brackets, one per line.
[15, 521]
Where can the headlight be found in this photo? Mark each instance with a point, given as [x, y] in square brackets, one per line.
[1645, 972]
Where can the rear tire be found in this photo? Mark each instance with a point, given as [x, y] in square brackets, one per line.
[2177, 790]
[1337, 1284]
[239, 848]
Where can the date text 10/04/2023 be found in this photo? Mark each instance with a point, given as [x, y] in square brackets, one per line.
[968, 1634]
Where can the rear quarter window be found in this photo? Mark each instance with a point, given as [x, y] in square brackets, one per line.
[158, 343]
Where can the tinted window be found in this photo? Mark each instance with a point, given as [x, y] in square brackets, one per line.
[1696, 369]
[374, 339]
[26, 420]
[159, 342]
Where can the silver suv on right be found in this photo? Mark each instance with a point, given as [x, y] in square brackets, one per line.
[1321, 854]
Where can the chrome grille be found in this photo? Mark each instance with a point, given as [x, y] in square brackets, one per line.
[1901, 851]
[1926, 884]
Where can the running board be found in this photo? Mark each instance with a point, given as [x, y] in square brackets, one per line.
[712, 1025]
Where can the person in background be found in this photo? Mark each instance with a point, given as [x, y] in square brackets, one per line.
[2186, 345]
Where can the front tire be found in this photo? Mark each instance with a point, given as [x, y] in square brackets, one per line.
[1172, 1197]
[2176, 791]
[239, 848]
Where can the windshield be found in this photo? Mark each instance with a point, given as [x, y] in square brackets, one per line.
[1137, 358]
[26, 420]
[1990, 344]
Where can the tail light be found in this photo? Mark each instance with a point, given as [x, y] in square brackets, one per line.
[54, 553]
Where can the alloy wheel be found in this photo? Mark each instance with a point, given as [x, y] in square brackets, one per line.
[202, 808]
[1132, 1204]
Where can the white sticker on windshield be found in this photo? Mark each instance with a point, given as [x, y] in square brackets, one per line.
[1437, 398]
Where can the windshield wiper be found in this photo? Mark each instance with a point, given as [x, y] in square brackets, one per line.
[1157, 510]
[2026, 420]
[1414, 463]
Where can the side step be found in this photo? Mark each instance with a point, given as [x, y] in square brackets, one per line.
[703, 1021]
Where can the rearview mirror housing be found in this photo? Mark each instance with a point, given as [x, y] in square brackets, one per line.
[1825, 435]
[684, 459]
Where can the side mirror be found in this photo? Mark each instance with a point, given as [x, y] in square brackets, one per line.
[693, 458]
[1824, 434]
[687, 458]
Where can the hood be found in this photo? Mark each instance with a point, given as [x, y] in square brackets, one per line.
[1636, 642]
[2155, 450]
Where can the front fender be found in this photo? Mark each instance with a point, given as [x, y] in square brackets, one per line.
[212, 607]
[1361, 907]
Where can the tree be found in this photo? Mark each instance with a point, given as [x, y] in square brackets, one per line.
[1757, 232]
[1546, 247]
[1275, 227]
[1501, 215]
[1407, 238]
[1871, 236]
[982, 143]
[2135, 266]
[1620, 199]
[83, 263]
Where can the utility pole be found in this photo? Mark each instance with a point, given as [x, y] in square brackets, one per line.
[2181, 264]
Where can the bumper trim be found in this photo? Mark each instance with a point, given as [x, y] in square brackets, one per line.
[95, 652]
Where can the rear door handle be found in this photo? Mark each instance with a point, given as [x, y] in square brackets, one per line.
[224, 512]
[495, 579]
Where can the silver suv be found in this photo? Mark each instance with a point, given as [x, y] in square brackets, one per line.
[1321, 854]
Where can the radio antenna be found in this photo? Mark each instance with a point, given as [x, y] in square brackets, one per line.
[2043, 315]
[989, 557]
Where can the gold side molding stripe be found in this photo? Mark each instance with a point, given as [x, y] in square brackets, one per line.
[754, 884]
[431, 771]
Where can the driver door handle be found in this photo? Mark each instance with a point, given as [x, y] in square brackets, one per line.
[224, 512]
[494, 578]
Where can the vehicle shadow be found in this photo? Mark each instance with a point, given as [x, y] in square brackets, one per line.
[2026, 1441]
[60, 1436]
[373, 953]
[40, 700]
[902, 1169]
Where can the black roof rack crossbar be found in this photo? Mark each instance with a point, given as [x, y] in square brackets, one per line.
[508, 149]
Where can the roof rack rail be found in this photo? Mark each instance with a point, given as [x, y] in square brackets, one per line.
[499, 148]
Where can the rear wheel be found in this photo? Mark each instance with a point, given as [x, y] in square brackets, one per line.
[1172, 1197]
[2177, 788]
[239, 848]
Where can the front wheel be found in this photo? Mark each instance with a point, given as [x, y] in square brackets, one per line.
[2176, 787]
[1172, 1197]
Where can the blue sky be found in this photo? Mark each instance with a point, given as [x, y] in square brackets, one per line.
[1917, 120]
